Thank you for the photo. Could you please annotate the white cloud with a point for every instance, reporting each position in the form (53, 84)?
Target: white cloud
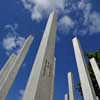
(50, 3)
(39, 8)
(91, 18)
(88, 19)
(65, 24)
(11, 28)
(9, 43)
(94, 21)
(36, 14)
(20, 41)
(81, 4)
(85, 7)
(12, 42)
(87, 12)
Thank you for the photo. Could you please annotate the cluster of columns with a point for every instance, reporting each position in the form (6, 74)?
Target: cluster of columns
(86, 83)
(9, 72)
(41, 81)
(40, 85)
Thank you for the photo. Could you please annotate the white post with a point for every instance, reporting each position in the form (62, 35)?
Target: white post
(39, 85)
(96, 70)
(10, 77)
(86, 83)
(66, 97)
(71, 86)
(6, 68)
(97, 98)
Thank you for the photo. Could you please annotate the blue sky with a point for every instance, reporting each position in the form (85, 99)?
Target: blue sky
(20, 18)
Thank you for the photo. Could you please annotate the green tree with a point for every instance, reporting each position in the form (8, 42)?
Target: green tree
(90, 55)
